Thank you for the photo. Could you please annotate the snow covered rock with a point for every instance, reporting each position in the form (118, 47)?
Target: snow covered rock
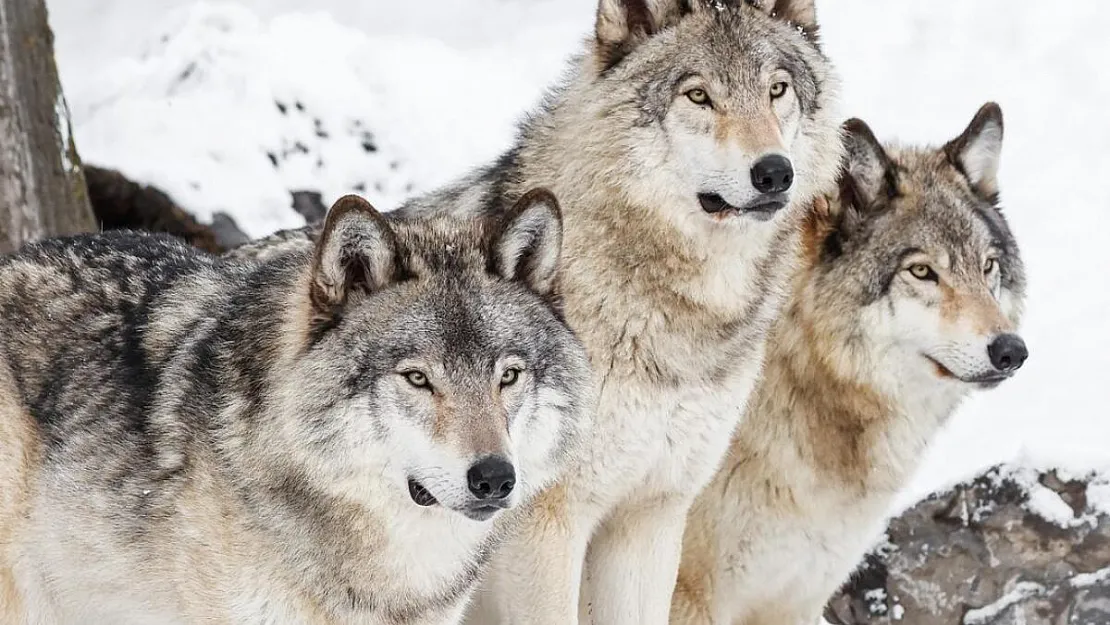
(1014, 546)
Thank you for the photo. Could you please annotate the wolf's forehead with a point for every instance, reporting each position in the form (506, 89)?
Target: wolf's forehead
(462, 319)
(437, 250)
(740, 49)
(943, 222)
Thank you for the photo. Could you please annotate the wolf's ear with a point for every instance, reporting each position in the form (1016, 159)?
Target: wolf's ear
(868, 174)
(528, 247)
(357, 250)
(800, 13)
(624, 24)
(978, 150)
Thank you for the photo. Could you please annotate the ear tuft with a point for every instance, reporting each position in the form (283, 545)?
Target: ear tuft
(868, 174)
(799, 13)
(977, 152)
(356, 250)
(529, 245)
(622, 25)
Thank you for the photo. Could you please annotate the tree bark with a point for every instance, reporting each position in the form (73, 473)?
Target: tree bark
(42, 187)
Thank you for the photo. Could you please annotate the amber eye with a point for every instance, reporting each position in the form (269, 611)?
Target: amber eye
(921, 271)
(417, 379)
(509, 377)
(698, 96)
(778, 89)
(989, 266)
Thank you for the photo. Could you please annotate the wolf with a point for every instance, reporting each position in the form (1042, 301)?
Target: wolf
(682, 144)
(339, 434)
(908, 299)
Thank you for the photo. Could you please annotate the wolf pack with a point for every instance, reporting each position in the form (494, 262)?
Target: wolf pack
(668, 359)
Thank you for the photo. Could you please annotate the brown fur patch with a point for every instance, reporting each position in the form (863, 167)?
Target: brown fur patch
(816, 227)
(754, 134)
(444, 414)
(838, 415)
(551, 508)
(980, 311)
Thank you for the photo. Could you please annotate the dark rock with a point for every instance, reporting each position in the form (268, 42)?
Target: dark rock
(310, 205)
(987, 553)
(120, 203)
(227, 233)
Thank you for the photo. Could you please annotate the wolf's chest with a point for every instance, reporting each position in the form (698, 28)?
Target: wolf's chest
(661, 440)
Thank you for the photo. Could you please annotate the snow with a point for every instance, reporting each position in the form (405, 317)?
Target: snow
(185, 95)
(1050, 506)
(1087, 580)
(987, 614)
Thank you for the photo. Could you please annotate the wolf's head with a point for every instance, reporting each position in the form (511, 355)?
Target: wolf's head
(917, 253)
(434, 356)
(731, 103)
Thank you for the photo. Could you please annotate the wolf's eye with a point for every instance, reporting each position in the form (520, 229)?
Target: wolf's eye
(509, 377)
(698, 96)
(778, 89)
(417, 379)
(921, 271)
(989, 266)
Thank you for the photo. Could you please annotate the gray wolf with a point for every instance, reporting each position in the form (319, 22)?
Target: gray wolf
(682, 145)
(908, 299)
(329, 436)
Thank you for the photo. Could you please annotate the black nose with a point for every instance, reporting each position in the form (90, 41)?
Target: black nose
(1007, 352)
(491, 478)
(772, 174)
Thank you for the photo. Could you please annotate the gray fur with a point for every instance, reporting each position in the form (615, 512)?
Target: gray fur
(231, 439)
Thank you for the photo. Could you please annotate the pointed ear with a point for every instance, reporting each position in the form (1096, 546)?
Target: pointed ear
(800, 13)
(624, 24)
(976, 152)
(529, 245)
(356, 250)
(868, 174)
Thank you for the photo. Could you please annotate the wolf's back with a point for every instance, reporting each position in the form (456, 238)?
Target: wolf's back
(76, 311)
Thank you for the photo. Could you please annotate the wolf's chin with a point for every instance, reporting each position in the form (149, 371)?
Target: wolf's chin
(481, 513)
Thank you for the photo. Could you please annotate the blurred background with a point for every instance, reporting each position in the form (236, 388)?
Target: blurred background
(232, 108)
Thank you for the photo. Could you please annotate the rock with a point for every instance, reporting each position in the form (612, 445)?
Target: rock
(227, 233)
(1012, 547)
(310, 205)
(121, 203)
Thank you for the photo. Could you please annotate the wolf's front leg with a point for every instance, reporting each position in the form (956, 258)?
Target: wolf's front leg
(535, 577)
(632, 565)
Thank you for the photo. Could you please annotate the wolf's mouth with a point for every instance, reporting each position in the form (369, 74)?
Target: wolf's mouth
(420, 495)
(984, 381)
(762, 208)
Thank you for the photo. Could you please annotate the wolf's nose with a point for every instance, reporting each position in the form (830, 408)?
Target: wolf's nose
(1007, 352)
(772, 174)
(491, 478)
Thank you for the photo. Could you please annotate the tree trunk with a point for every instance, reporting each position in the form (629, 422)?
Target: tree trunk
(42, 187)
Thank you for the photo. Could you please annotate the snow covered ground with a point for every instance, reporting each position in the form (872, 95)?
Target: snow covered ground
(229, 106)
